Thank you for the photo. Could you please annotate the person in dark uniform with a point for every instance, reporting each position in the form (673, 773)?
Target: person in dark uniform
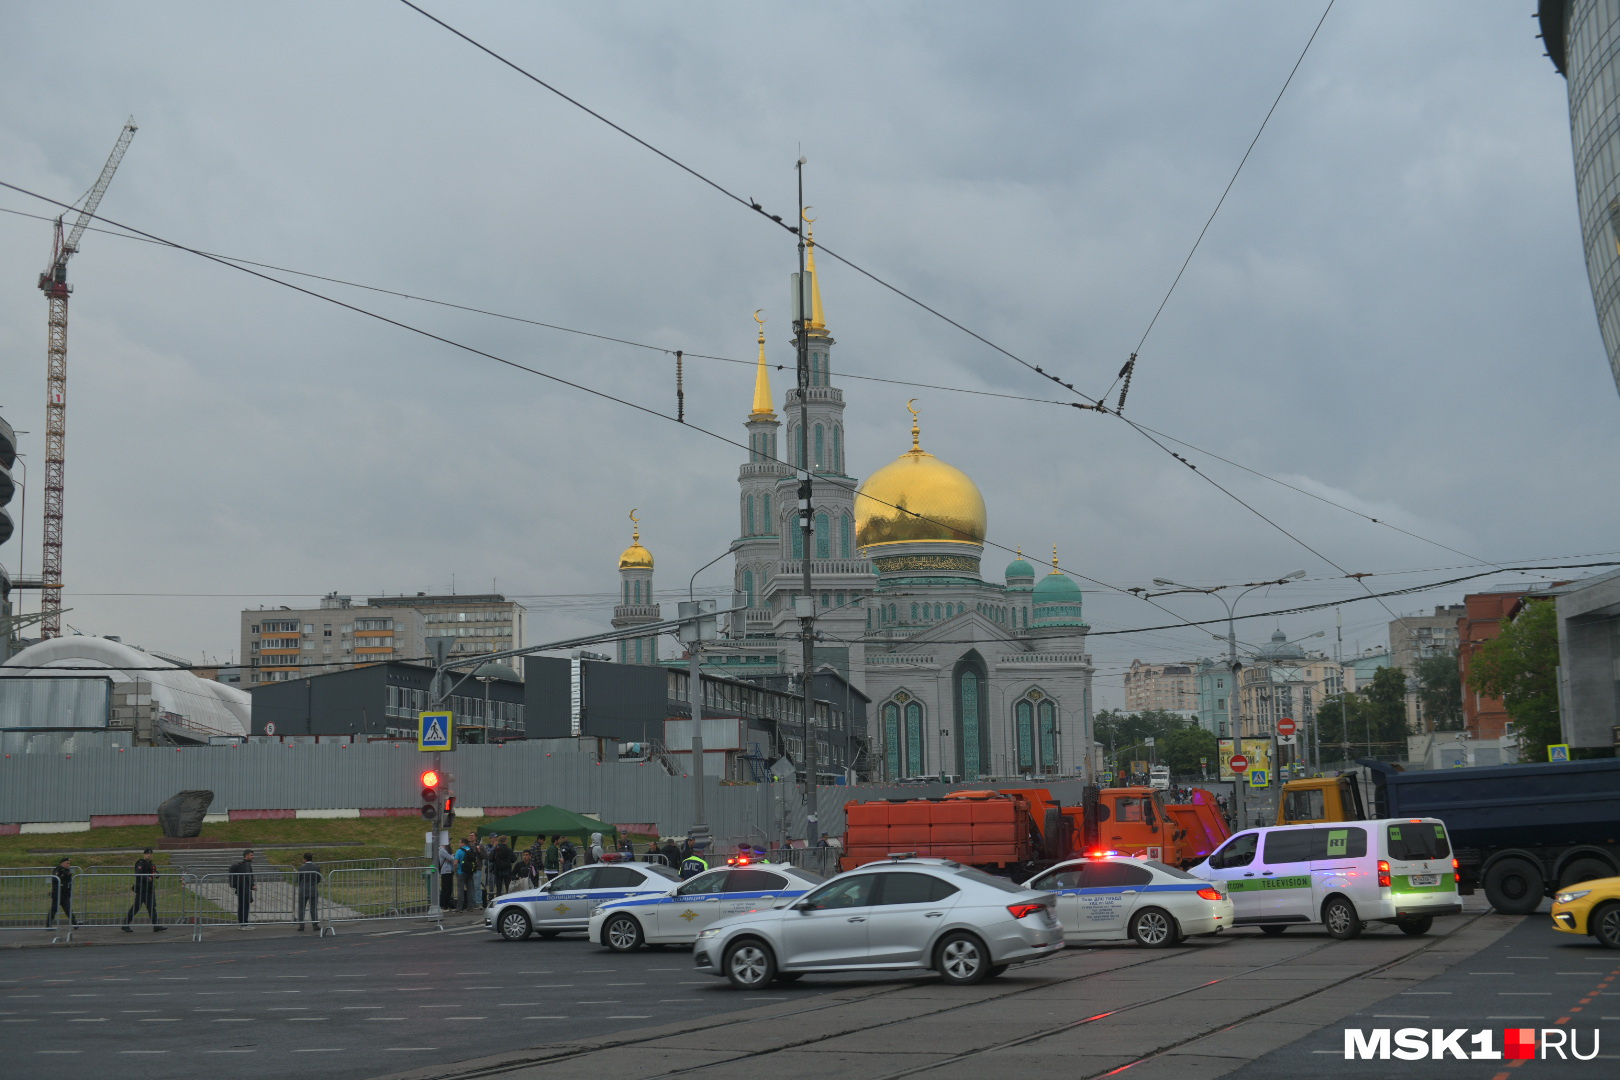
(242, 881)
(62, 893)
(309, 892)
(145, 890)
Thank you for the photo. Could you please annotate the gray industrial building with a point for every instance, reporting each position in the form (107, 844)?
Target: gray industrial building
(1589, 660)
(383, 700)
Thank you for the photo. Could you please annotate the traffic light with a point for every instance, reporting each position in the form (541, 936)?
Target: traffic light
(449, 811)
(430, 794)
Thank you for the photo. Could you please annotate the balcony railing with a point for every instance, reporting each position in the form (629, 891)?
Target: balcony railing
(791, 567)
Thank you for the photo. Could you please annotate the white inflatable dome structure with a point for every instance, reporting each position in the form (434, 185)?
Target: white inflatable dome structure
(185, 707)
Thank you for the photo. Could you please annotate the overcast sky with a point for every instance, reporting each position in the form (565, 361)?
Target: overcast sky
(1391, 310)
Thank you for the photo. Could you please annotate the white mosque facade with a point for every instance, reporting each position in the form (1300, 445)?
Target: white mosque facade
(967, 677)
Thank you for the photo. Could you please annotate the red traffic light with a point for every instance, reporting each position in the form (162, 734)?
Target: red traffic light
(430, 779)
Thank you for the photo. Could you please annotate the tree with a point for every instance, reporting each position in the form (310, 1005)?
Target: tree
(1440, 691)
(1348, 722)
(1182, 748)
(1123, 735)
(1520, 666)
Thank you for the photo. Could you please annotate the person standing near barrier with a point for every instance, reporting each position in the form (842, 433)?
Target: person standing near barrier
(501, 860)
(145, 890)
(671, 854)
(486, 875)
(569, 854)
(242, 881)
(466, 872)
(597, 851)
(62, 893)
(445, 859)
(551, 861)
(309, 892)
(694, 864)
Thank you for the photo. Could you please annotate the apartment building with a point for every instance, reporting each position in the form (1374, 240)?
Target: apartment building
(1170, 687)
(1417, 637)
(479, 623)
(281, 644)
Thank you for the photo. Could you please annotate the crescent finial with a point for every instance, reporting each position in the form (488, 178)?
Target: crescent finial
(635, 528)
(805, 214)
(633, 519)
(910, 409)
(758, 319)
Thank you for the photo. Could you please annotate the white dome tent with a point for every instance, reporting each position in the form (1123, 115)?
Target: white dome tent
(185, 708)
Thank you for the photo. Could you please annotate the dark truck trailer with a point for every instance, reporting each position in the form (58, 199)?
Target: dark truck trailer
(1520, 832)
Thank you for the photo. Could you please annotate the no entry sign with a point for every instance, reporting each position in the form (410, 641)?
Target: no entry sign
(1286, 727)
(1238, 763)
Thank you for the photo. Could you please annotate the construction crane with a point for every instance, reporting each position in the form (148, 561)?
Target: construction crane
(54, 284)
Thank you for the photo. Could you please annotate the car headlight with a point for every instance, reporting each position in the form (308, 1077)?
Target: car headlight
(709, 933)
(1569, 897)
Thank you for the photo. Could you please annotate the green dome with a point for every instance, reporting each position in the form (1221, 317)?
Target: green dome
(1057, 588)
(1019, 568)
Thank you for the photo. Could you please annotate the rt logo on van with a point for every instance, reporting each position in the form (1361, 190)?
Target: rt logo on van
(1436, 1044)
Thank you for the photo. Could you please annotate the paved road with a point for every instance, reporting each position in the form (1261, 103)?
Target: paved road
(1533, 977)
(256, 1005)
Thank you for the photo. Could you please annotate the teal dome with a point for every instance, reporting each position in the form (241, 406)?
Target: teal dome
(1057, 588)
(1019, 569)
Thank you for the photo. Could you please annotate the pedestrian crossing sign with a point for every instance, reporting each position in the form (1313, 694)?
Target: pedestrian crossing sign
(1259, 778)
(435, 731)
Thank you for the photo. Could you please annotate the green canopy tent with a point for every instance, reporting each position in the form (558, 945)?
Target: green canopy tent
(547, 821)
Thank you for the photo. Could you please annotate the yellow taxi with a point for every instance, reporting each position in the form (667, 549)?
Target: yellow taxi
(1590, 907)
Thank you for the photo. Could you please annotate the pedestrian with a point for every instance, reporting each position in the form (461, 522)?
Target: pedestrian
(62, 893)
(145, 890)
(446, 862)
(628, 849)
(502, 861)
(309, 892)
(653, 854)
(686, 848)
(486, 878)
(466, 871)
(671, 854)
(528, 872)
(569, 854)
(694, 864)
(551, 861)
(597, 850)
(242, 881)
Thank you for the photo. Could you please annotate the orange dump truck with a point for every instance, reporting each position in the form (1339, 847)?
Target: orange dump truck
(1019, 829)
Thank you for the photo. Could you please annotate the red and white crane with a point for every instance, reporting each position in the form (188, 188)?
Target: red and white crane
(53, 282)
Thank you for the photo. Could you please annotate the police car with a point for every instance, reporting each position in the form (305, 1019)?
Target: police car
(1117, 898)
(680, 913)
(566, 902)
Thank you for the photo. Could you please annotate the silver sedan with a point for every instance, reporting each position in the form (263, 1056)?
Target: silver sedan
(567, 902)
(900, 915)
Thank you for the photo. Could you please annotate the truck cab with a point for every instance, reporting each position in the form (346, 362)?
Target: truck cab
(1159, 778)
(1322, 798)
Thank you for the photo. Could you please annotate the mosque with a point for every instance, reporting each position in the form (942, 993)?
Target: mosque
(966, 677)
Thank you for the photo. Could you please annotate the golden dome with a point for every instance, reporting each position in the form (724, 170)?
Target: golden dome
(635, 556)
(919, 498)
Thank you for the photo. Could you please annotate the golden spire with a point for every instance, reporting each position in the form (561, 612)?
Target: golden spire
(916, 432)
(635, 556)
(818, 322)
(1054, 559)
(1019, 551)
(762, 379)
(635, 532)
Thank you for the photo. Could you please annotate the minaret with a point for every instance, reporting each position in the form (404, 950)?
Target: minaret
(636, 606)
(758, 503)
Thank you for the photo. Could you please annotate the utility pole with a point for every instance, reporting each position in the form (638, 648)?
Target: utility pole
(693, 634)
(806, 605)
(1233, 714)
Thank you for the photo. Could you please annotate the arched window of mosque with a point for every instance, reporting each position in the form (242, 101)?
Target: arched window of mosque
(638, 650)
(915, 763)
(1047, 711)
(913, 612)
(838, 448)
(820, 459)
(838, 600)
(765, 518)
(626, 592)
(891, 739)
(970, 726)
(937, 614)
(823, 537)
(1024, 725)
(748, 519)
(843, 537)
(748, 586)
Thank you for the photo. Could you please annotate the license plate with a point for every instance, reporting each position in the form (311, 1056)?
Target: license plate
(1420, 880)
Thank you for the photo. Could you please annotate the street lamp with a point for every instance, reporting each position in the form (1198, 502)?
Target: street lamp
(1232, 715)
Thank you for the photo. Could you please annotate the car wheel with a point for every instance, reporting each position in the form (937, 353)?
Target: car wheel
(1604, 924)
(749, 965)
(622, 934)
(514, 924)
(785, 977)
(1514, 887)
(1583, 870)
(1154, 928)
(1340, 918)
(1416, 927)
(962, 960)
(1272, 931)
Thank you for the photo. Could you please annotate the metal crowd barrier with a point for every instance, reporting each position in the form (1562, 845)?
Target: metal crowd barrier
(25, 903)
(109, 898)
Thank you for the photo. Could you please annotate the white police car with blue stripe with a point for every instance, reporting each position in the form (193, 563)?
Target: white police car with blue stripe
(1117, 898)
(566, 902)
(676, 916)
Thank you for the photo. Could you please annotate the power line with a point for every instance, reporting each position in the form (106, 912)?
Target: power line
(1130, 366)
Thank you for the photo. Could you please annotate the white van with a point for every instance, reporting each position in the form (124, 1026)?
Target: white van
(1342, 875)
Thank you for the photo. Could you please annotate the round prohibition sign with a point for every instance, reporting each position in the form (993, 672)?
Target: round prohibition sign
(1238, 763)
(1286, 727)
